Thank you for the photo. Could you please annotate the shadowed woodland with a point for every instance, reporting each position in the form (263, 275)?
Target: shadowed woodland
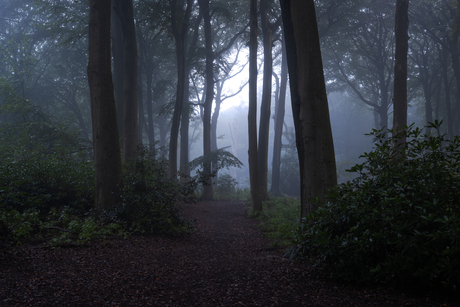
(265, 152)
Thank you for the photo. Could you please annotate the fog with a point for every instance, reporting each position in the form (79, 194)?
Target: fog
(43, 49)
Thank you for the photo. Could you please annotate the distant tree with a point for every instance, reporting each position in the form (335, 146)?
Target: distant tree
(310, 109)
(400, 74)
(280, 105)
(105, 131)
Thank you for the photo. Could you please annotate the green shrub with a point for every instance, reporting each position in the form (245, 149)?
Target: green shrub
(44, 166)
(150, 197)
(279, 219)
(225, 187)
(398, 222)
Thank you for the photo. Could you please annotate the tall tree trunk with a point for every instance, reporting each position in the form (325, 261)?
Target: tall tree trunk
(445, 77)
(140, 96)
(149, 103)
(215, 115)
(184, 141)
(207, 106)
(310, 109)
(265, 106)
(130, 113)
(118, 62)
(180, 31)
(252, 111)
(400, 74)
(106, 145)
(279, 120)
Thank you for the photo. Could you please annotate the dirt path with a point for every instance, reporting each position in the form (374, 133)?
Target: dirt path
(225, 263)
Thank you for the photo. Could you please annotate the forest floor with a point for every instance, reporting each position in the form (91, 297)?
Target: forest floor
(226, 262)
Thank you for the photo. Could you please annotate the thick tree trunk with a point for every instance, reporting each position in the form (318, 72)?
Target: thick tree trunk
(207, 106)
(400, 74)
(118, 63)
(309, 103)
(265, 107)
(252, 111)
(106, 145)
(279, 120)
(130, 113)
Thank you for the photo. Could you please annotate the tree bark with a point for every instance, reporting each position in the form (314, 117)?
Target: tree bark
(265, 106)
(400, 74)
(130, 113)
(106, 145)
(279, 120)
(207, 106)
(118, 63)
(180, 31)
(309, 103)
(252, 111)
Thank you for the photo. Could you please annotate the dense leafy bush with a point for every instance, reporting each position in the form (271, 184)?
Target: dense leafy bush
(43, 166)
(399, 221)
(225, 187)
(150, 197)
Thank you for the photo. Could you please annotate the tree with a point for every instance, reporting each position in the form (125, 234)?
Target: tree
(252, 111)
(309, 103)
(207, 188)
(125, 12)
(361, 57)
(104, 119)
(180, 28)
(400, 74)
(279, 120)
(268, 29)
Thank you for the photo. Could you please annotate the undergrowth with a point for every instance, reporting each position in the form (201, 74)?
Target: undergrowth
(398, 222)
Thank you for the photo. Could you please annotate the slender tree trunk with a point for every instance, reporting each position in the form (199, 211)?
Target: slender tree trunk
(149, 102)
(310, 109)
(445, 78)
(118, 63)
(252, 111)
(184, 142)
(106, 145)
(264, 126)
(207, 106)
(400, 74)
(279, 120)
(180, 31)
(141, 70)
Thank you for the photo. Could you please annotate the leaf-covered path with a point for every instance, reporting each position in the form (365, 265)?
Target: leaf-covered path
(225, 263)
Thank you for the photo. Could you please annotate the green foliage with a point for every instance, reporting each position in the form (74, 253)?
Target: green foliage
(150, 197)
(398, 222)
(280, 218)
(225, 188)
(220, 159)
(44, 166)
(60, 226)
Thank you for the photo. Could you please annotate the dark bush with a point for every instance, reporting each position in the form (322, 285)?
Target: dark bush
(43, 166)
(150, 197)
(398, 222)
